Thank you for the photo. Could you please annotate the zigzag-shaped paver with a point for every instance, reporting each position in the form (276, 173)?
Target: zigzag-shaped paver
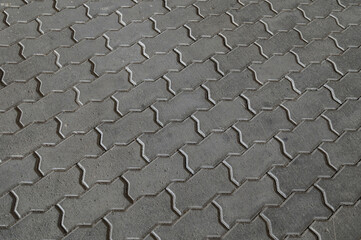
(180, 119)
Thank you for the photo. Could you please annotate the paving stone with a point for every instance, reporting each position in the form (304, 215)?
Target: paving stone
(142, 96)
(142, 10)
(302, 172)
(285, 21)
(179, 3)
(281, 43)
(142, 216)
(346, 117)
(295, 142)
(29, 11)
(263, 126)
(65, 78)
(103, 86)
(131, 33)
(222, 116)
(156, 176)
(127, 55)
(20, 144)
(347, 61)
(349, 141)
(245, 34)
(63, 19)
(318, 9)
(342, 188)
(180, 119)
(348, 87)
(194, 194)
(238, 58)
(214, 7)
(199, 224)
(35, 226)
(231, 85)
(349, 16)
(248, 200)
(296, 213)
(257, 229)
(313, 76)
(201, 50)
(210, 26)
(175, 134)
(254, 162)
(47, 107)
(73, 148)
(93, 204)
(6, 217)
(350, 37)
(319, 28)
(275, 67)
(106, 7)
(82, 51)
(18, 92)
(279, 5)
(310, 105)
(96, 26)
(307, 235)
(28, 68)
(270, 95)
(87, 116)
(162, 64)
(8, 121)
(19, 31)
(192, 76)
(41, 194)
(98, 232)
(176, 18)
(181, 106)
(47, 42)
(68, 4)
(8, 170)
(251, 12)
(10, 54)
(343, 224)
(128, 127)
(212, 150)
(112, 163)
(166, 41)
(308, 53)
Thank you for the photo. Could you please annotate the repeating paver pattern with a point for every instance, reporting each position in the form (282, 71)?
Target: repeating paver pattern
(180, 119)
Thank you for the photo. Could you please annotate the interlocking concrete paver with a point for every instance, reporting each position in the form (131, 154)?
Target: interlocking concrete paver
(313, 76)
(212, 150)
(73, 148)
(180, 119)
(192, 76)
(41, 195)
(302, 172)
(296, 213)
(344, 224)
(142, 216)
(349, 141)
(142, 96)
(342, 187)
(112, 163)
(245, 203)
(156, 175)
(257, 160)
(194, 194)
(281, 43)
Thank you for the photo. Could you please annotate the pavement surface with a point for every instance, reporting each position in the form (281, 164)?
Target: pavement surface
(180, 119)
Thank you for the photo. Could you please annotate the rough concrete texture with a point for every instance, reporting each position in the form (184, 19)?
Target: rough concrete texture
(180, 119)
